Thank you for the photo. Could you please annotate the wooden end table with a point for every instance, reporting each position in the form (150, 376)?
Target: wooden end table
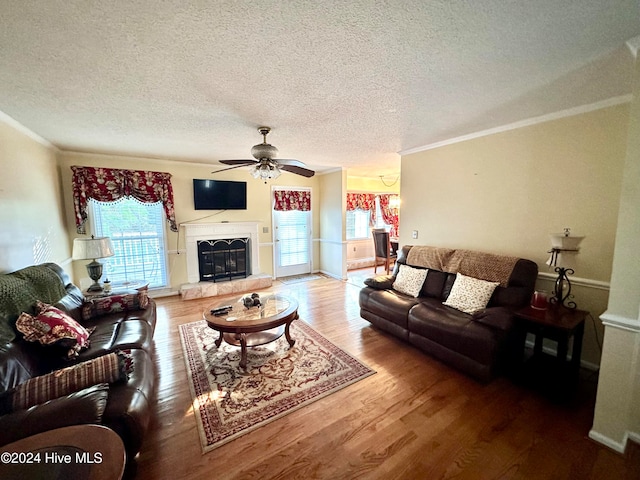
(250, 327)
(556, 323)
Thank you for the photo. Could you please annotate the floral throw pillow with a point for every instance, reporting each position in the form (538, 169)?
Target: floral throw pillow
(135, 300)
(52, 326)
(410, 280)
(469, 294)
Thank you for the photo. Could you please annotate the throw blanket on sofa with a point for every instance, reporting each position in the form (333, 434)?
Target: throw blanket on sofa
(486, 266)
(19, 292)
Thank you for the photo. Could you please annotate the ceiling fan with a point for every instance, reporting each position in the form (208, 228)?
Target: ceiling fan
(265, 165)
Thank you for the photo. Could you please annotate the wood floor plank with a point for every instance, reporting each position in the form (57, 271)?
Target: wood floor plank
(415, 418)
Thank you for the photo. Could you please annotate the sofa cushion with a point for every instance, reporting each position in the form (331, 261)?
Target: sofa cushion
(389, 304)
(455, 330)
(83, 407)
(105, 369)
(434, 284)
(409, 280)
(470, 294)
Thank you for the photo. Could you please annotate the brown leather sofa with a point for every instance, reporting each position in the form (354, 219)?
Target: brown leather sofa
(128, 403)
(482, 344)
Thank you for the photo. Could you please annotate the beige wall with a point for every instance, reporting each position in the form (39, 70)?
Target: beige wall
(259, 202)
(31, 214)
(505, 193)
(373, 185)
(333, 246)
(617, 412)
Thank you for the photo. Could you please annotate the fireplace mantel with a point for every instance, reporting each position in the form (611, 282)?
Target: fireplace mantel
(195, 232)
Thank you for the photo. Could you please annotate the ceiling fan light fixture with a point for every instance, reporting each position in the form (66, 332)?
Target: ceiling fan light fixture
(265, 166)
(265, 171)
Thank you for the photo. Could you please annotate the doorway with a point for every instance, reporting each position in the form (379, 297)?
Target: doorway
(292, 241)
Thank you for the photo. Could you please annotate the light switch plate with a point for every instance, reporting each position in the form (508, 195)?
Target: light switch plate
(414, 234)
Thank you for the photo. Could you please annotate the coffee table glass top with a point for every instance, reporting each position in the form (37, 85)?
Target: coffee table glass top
(271, 305)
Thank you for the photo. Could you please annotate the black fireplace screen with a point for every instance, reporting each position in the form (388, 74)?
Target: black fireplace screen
(224, 259)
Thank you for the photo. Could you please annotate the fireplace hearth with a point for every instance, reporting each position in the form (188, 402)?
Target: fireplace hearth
(224, 259)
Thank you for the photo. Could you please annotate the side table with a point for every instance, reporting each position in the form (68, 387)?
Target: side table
(556, 323)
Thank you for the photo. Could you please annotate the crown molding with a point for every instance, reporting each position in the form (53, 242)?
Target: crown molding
(610, 102)
(12, 122)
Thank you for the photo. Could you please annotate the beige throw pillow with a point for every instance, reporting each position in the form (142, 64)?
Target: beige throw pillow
(410, 280)
(469, 294)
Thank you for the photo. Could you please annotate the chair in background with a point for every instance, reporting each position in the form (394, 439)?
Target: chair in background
(382, 249)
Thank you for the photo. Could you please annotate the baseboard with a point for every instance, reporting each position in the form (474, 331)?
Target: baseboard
(332, 275)
(619, 447)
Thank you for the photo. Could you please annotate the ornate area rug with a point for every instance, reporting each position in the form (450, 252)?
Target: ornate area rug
(229, 402)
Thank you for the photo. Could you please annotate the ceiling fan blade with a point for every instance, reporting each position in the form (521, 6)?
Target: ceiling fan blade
(230, 168)
(305, 172)
(290, 161)
(238, 162)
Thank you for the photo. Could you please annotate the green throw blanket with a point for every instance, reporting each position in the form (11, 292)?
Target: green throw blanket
(19, 291)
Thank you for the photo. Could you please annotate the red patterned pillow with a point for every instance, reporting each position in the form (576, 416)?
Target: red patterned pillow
(96, 306)
(51, 326)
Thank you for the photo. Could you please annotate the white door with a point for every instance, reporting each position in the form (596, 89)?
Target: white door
(292, 240)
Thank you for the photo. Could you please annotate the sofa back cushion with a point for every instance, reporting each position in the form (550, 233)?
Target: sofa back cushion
(516, 292)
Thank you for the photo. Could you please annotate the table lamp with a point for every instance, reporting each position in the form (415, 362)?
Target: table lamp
(92, 248)
(563, 251)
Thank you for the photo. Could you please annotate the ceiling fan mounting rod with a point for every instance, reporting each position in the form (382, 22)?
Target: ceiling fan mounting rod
(264, 131)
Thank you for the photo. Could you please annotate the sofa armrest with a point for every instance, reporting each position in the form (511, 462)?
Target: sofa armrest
(496, 317)
(82, 407)
(383, 282)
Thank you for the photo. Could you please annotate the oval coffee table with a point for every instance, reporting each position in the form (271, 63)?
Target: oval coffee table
(249, 327)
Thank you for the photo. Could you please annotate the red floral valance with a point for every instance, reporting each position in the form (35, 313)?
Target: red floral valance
(111, 184)
(361, 201)
(292, 200)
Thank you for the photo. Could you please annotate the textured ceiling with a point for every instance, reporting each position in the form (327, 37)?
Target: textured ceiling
(342, 84)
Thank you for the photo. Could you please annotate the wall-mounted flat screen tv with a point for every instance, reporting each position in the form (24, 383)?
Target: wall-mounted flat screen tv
(219, 195)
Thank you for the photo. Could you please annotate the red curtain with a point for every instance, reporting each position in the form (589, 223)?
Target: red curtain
(363, 201)
(111, 184)
(389, 215)
(292, 200)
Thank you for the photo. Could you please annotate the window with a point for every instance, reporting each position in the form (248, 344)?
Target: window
(358, 226)
(137, 233)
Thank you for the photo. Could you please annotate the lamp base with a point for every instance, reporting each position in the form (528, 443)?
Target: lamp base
(96, 287)
(94, 269)
(562, 292)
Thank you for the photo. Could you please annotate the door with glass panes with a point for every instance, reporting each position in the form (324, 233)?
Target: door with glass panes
(292, 242)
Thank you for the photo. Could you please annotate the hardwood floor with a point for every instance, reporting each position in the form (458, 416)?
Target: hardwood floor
(415, 418)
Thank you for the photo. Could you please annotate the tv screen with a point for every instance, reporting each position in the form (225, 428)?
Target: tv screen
(219, 195)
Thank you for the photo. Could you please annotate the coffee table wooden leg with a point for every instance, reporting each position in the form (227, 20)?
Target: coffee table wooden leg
(291, 341)
(218, 342)
(243, 351)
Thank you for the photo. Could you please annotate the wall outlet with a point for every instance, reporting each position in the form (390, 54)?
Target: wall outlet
(414, 234)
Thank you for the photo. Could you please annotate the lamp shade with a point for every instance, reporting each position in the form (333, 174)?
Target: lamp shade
(91, 248)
